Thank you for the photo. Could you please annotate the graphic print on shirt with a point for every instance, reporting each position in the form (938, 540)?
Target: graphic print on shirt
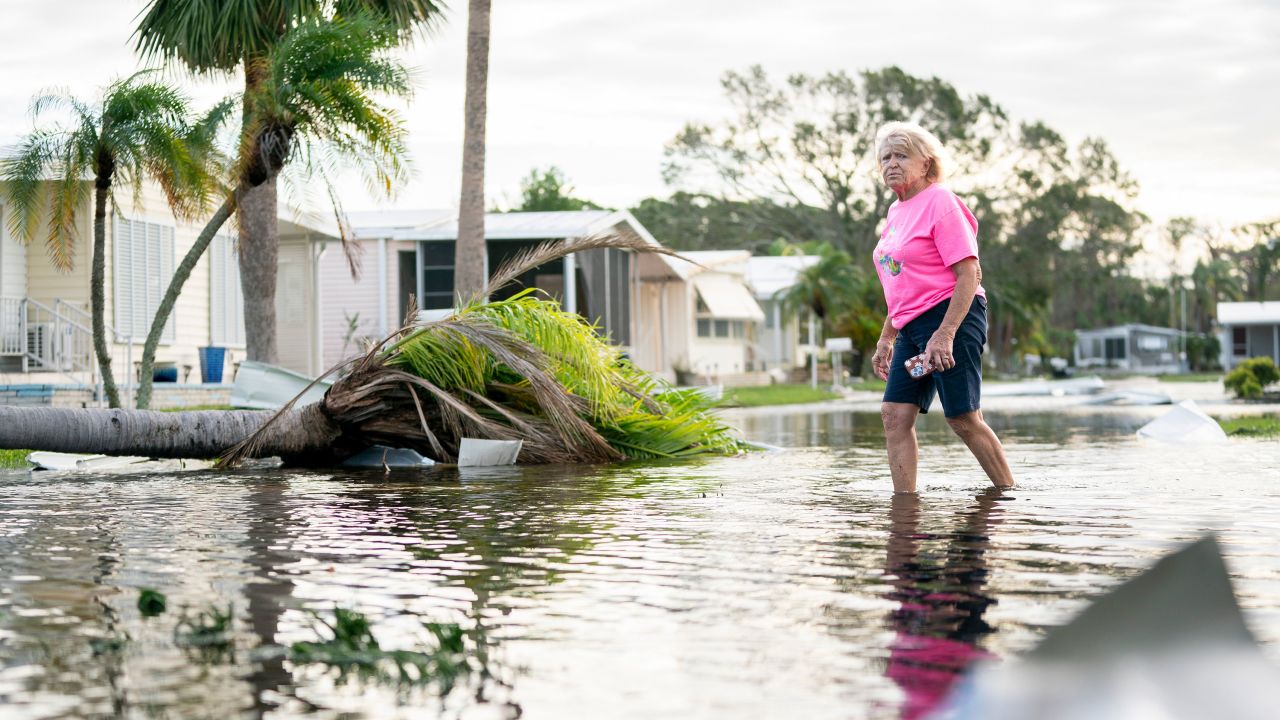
(893, 267)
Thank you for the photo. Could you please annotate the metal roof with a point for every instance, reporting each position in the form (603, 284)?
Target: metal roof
(708, 259)
(770, 274)
(1125, 329)
(1249, 313)
(443, 224)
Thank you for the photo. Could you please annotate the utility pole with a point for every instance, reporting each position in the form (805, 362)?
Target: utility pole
(1185, 361)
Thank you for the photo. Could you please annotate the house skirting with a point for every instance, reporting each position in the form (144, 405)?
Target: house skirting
(164, 395)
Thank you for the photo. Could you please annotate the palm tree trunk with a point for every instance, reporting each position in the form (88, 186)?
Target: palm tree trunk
(259, 255)
(98, 293)
(259, 242)
(469, 254)
(170, 299)
(305, 435)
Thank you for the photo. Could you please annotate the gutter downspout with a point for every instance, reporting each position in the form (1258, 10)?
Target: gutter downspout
(570, 284)
(383, 330)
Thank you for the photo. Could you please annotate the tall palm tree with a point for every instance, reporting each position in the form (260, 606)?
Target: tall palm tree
(214, 36)
(138, 130)
(520, 368)
(314, 106)
(469, 253)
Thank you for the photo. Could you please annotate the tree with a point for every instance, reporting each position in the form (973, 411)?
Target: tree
(549, 190)
(139, 130)
(520, 368)
(313, 105)
(809, 143)
(694, 221)
(1259, 259)
(470, 248)
(219, 37)
(843, 297)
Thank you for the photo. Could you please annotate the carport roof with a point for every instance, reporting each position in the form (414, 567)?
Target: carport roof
(1249, 313)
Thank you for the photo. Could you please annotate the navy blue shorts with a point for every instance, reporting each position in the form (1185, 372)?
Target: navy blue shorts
(961, 386)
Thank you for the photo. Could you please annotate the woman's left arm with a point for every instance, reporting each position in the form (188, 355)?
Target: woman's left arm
(938, 351)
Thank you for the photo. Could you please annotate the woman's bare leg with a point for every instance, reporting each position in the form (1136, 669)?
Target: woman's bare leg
(900, 439)
(984, 445)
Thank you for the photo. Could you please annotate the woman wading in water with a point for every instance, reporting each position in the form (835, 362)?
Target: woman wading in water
(927, 260)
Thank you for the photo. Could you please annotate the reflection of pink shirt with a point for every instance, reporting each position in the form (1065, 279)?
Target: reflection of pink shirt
(923, 237)
(926, 668)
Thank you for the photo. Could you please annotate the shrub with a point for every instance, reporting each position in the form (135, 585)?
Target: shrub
(1251, 376)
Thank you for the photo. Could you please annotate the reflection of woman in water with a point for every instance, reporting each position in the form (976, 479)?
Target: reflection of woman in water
(939, 620)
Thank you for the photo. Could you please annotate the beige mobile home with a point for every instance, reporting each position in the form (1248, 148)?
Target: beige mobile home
(45, 325)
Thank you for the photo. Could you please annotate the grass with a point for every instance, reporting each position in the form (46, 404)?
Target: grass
(1191, 377)
(760, 395)
(354, 651)
(10, 459)
(1259, 426)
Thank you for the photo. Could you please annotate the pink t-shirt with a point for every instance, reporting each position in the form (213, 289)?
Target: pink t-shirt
(922, 239)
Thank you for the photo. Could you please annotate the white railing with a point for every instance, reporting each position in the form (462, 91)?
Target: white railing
(12, 321)
(55, 340)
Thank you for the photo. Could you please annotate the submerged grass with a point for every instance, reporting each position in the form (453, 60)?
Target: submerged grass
(761, 395)
(10, 459)
(1262, 426)
(352, 648)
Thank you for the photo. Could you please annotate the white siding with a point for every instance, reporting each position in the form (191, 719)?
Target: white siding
(13, 261)
(345, 301)
(226, 297)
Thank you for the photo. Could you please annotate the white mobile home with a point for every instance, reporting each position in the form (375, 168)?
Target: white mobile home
(1248, 329)
(1133, 347)
(411, 253)
(783, 336)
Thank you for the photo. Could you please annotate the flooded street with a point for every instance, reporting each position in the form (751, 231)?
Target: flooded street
(789, 584)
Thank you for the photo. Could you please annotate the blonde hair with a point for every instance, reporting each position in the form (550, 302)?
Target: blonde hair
(919, 142)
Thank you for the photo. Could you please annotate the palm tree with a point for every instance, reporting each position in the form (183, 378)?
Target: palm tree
(842, 297)
(469, 254)
(138, 130)
(313, 106)
(517, 368)
(219, 37)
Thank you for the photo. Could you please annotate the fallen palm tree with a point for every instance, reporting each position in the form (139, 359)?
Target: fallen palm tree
(520, 368)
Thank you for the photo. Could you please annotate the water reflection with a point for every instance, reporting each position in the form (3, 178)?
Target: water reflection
(939, 581)
(771, 585)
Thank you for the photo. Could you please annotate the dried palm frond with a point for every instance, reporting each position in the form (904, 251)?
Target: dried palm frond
(551, 250)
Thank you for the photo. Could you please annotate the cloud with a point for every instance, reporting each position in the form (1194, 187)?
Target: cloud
(1180, 89)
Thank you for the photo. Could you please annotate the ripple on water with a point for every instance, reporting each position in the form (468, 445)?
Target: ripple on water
(786, 584)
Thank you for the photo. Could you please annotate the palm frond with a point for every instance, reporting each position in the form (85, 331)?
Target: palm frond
(520, 368)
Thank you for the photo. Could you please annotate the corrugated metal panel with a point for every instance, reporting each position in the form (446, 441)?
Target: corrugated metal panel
(349, 308)
(437, 225)
(1248, 313)
(293, 298)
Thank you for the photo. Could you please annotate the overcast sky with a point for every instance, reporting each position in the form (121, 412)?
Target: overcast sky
(1184, 91)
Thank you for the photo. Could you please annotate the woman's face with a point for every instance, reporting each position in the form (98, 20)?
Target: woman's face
(901, 168)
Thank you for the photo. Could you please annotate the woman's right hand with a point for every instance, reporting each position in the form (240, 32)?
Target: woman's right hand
(880, 361)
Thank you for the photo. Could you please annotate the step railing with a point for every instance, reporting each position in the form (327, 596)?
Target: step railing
(12, 324)
(55, 337)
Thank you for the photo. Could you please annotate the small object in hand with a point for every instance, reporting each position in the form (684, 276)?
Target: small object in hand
(917, 367)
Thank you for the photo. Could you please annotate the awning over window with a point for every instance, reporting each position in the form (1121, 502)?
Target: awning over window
(727, 297)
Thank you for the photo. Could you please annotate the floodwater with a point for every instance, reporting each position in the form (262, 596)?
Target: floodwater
(787, 584)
